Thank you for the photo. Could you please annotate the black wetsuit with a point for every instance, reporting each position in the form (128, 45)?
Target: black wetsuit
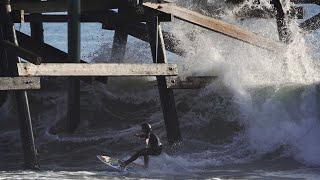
(154, 148)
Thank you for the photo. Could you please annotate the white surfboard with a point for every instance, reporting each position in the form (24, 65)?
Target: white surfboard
(114, 163)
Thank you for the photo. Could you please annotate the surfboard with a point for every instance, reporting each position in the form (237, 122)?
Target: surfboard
(114, 163)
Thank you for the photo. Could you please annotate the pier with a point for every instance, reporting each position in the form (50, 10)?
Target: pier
(25, 59)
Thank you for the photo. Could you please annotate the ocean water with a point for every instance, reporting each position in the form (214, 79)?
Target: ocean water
(258, 120)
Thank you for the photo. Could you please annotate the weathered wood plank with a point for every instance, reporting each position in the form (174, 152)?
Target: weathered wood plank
(192, 82)
(19, 83)
(49, 53)
(218, 26)
(99, 69)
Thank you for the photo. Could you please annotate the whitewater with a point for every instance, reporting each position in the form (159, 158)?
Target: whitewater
(258, 120)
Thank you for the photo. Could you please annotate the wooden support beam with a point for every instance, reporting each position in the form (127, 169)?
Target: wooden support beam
(119, 45)
(86, 17)
(40, 7)
(311, 24)
(50, 53)
(98, 69)
(101, 16)
(119, 41)
(218, 26)
(62, 6)
(74, 52)
(194, 82)
(18, 16)
(282, 22)
(135, 12)
(36, 28)
(47, 18)
(140, 31)
(26, 130)
(21, 52)
(166, 95)
(19, 83)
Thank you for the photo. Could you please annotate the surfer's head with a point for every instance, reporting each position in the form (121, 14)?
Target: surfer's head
(146, 128)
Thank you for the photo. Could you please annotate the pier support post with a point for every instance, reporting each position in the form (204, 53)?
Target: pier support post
(166, 95)
(36, 27)
(74, 14)
(120, 39)
(282, 22)
(26, 132)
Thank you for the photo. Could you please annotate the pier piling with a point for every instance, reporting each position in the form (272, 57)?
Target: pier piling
(36, 27)
(166, 95)
(282, 22)
(74, 14)
(119, 41)
(26, 131)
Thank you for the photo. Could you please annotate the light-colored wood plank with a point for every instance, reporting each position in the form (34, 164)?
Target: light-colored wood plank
(218, 26)
(98, 69)
(19, 83)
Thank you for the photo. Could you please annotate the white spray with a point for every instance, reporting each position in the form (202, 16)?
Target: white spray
(276, 95)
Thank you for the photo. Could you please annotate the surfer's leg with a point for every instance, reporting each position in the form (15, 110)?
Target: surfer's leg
(135, 156)
(146, 160)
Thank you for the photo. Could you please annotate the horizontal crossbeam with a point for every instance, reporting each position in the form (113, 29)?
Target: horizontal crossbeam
(61, 5)
(98, 69)
(19, 83)
(91, 10)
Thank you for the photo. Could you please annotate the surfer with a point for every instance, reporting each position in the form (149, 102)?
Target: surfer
(153, 146)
